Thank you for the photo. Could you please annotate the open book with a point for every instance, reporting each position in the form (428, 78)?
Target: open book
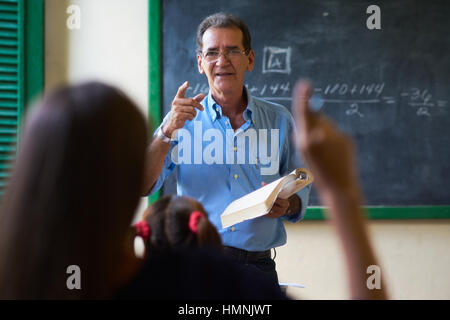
(260, 201)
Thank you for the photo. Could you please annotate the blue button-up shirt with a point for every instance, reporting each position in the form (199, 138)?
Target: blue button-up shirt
(217, 165)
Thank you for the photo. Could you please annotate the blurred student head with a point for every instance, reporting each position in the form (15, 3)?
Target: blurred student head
(72, 194)
(175, 222)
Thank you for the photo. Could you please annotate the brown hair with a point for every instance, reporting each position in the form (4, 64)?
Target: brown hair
(73, 192)
(168, 219)
(223, 20)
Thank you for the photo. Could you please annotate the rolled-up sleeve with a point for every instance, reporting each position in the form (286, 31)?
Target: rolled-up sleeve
(167, 169)
(168, 166)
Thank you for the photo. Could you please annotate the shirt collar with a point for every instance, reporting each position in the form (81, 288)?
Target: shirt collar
(216, 111)
(250, 111)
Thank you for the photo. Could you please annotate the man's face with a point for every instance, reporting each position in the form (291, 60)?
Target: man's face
(226, 75)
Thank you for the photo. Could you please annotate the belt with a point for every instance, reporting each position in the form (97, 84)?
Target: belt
(244, 255)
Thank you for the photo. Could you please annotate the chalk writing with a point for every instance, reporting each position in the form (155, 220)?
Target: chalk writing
(277, 60)
(422, 100)
(350, 95)
(198, 88)
(422, 111)
(354, 110)
(352, 89)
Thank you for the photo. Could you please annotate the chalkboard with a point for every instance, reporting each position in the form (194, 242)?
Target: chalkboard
(388, 88)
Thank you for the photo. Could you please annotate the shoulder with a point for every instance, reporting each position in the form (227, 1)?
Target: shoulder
(272, 110)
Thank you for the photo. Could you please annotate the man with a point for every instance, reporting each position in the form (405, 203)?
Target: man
(205, 138)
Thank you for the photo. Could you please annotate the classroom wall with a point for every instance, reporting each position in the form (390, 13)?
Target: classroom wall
(112, 46)
(413, 256)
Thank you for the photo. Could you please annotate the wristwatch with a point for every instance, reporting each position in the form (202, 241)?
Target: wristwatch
(289, 211)
(160, 135)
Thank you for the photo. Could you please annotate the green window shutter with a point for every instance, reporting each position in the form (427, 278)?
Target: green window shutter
(21, 71)
(11, 104)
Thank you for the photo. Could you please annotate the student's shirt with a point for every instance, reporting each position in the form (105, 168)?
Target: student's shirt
(198, 274)
(216, 165)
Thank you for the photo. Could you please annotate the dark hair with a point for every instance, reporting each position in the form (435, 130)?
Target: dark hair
(223, 20)
(73, 192)
(168, 219)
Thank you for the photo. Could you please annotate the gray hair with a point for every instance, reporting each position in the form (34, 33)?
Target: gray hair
(223, 20)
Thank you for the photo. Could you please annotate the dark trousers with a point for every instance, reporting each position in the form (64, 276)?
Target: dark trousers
(260, 260)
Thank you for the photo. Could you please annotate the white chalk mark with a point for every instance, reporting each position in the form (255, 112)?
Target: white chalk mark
(327, 100)
(277, 60)
(420, 104)
(276, 98)
(423, 112)
(354, 110)
(352, 101)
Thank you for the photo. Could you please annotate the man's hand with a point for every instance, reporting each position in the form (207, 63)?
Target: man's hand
(183, 109)
(279, 208)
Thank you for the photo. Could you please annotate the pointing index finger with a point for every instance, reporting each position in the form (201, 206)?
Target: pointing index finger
(182, 90)
(199, 98)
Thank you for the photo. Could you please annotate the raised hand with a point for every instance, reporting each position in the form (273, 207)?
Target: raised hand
(328, 152)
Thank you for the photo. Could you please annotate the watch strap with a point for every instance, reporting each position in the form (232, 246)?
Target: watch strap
(160, 134)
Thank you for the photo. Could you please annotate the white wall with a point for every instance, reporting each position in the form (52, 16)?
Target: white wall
(112, 45)
(414, 257)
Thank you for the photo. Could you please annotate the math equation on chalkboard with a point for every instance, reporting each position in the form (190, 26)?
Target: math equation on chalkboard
(350, 96)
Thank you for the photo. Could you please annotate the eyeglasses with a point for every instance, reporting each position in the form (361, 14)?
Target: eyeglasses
(233, 54)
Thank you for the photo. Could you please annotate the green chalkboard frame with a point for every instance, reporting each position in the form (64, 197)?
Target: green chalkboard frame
(389, 213)
(154, 70)
(313, 213)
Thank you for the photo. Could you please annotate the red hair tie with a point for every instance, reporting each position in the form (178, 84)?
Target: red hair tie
(142, 229)
(193, 220)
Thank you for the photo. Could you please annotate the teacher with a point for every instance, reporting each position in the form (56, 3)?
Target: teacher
(227, 143)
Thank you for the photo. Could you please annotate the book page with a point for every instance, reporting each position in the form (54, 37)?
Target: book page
(260, 201)
(298, 179)
(254, 198)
